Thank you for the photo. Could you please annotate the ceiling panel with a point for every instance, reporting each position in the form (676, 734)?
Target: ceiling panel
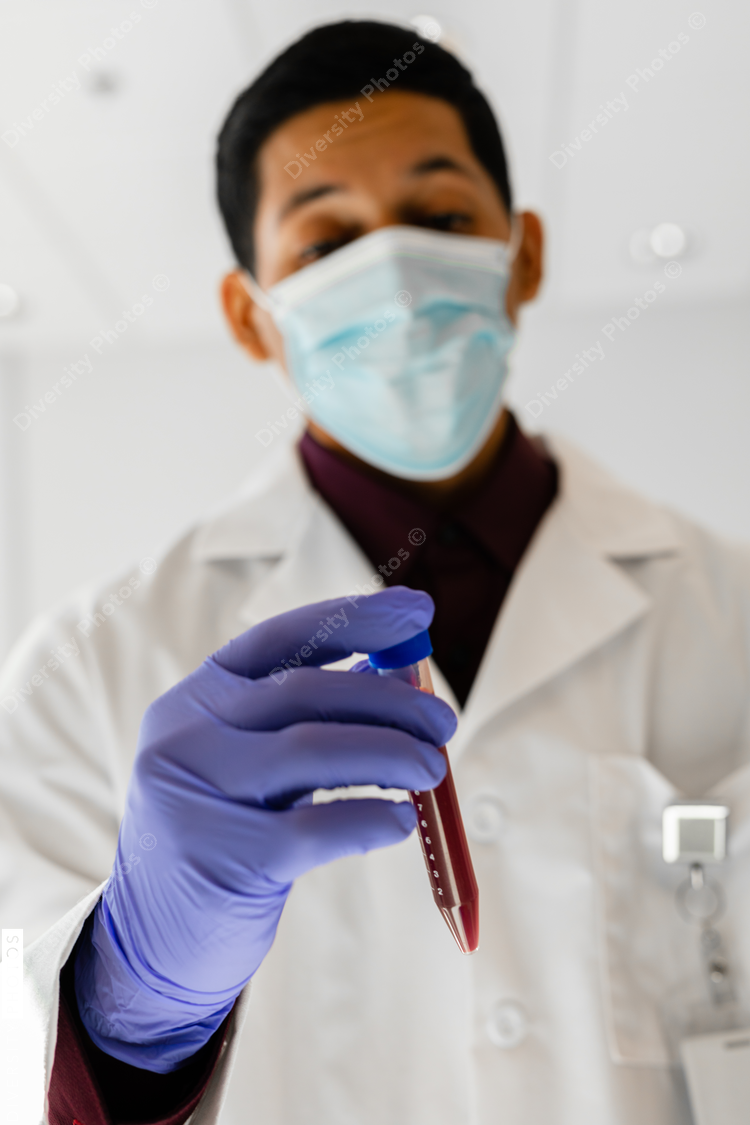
(106, 176)
(671, 148)
(117, 172)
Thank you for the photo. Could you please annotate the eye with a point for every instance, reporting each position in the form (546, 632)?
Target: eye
(457, 221)
(322, 248)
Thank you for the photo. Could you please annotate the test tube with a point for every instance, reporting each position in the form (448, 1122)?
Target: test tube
(441, 829)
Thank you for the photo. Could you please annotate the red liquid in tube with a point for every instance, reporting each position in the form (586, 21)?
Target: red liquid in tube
(443, 838)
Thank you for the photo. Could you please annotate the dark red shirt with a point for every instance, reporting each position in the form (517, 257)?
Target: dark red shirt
(464, 556)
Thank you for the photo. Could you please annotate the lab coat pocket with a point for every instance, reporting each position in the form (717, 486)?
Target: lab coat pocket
(648, 953)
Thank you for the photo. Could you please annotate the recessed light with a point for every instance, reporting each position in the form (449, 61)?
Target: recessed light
(666, 240)
(428, 27)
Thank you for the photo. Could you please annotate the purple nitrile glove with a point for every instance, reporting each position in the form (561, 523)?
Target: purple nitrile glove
(218, 820)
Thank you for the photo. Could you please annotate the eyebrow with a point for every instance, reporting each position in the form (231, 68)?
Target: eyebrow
(439, 164)
(302, 197)
(432, 164)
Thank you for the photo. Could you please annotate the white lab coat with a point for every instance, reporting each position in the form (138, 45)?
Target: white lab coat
(616, 678)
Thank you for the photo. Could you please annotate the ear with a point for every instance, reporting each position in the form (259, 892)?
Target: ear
(528, 268)
(251, 326)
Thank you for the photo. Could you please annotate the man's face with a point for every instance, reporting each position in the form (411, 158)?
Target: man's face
(403, 158)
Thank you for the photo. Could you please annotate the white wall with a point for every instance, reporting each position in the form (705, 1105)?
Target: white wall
(109, 191)
(129, 455)
(667, 408)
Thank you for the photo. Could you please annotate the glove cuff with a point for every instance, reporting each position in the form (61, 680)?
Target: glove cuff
(127, 1018)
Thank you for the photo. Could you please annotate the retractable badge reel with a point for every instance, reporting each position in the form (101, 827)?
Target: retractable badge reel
(715, 1043)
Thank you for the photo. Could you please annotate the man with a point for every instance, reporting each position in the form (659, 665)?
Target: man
(363, 184)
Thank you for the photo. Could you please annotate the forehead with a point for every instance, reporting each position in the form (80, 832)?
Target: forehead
(357, 143)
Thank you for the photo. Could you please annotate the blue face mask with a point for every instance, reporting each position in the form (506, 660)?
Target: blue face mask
(410, 326)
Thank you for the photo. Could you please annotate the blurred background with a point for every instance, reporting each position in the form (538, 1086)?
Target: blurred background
(126, 412)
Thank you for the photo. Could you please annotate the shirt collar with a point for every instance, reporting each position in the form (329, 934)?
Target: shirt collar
(500, 514)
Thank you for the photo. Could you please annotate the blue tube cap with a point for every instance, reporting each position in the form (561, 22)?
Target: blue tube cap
(408, 652)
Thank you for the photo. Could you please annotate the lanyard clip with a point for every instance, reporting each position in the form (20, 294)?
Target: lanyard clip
(694, 832)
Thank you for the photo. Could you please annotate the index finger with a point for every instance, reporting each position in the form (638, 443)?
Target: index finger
(324, 632)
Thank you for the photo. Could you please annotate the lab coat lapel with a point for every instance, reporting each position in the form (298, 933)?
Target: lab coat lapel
(264, 517)
(279, 517)
(321, 561)
(564, 602)
(569, 596)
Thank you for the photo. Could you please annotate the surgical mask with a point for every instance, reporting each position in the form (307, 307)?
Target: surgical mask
(407, 329)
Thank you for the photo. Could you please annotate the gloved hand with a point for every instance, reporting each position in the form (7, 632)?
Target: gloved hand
(217, 825)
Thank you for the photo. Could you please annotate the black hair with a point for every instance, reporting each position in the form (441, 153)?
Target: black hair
(330, 63)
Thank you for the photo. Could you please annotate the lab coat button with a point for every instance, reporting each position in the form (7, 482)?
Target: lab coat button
(485, 818)
(508, 1024)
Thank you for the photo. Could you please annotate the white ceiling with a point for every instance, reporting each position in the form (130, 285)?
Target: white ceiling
(111, 189)
(678, 153)
(107, 190)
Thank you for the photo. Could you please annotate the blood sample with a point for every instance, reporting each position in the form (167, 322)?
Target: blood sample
(441, 829)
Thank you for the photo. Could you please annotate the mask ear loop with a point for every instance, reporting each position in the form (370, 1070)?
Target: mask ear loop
(264, 302)
(259, 295)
